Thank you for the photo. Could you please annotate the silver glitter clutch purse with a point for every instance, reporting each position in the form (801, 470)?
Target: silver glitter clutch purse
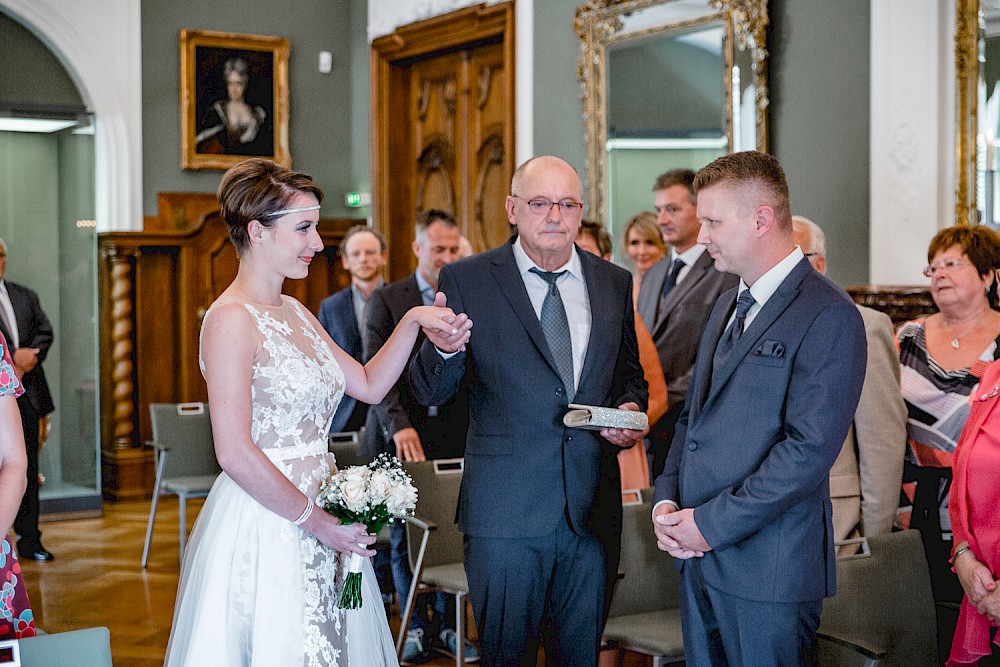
(595, 418)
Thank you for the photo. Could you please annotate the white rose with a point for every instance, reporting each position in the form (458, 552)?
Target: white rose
(354, 494)
(378, 486)
(401, 499)
(356, 474)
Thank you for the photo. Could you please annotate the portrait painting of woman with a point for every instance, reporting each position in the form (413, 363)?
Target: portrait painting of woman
(234, 99)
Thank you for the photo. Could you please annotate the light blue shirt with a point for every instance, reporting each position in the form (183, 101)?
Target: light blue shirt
(427, 291)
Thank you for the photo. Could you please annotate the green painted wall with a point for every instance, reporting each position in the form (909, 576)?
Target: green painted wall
(26, 61)
(320, 107)
(820, 78)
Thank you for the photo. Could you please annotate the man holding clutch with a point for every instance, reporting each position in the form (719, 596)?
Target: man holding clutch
(540, 504)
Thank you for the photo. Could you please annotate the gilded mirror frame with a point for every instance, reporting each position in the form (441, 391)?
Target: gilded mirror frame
(598, 24)
(967, 33)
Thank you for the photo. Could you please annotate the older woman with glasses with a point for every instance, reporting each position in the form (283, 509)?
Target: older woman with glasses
(942, 358)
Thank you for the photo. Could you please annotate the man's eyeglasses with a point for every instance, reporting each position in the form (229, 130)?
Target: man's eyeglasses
(541, 205)
(948, 266)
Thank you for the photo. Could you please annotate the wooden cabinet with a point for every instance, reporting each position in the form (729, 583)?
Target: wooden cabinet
(154, 287)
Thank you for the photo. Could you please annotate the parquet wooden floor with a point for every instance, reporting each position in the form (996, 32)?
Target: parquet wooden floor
(96, 579)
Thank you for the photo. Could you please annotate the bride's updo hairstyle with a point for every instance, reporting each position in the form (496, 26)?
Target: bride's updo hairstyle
(255, 189)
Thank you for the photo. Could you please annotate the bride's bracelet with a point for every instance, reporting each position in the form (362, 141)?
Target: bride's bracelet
(305, 514)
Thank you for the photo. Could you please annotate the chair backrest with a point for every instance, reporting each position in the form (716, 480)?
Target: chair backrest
(650, 581)
(344, 447)
(80, 648)
(438, 484)
(885, 598)
(184, 430)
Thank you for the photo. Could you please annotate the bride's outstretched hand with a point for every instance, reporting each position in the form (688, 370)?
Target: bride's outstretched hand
(446, 330)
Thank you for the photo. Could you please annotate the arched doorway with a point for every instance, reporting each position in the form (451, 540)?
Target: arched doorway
(47, 218)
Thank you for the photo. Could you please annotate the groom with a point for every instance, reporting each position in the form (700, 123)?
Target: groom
(540, 504)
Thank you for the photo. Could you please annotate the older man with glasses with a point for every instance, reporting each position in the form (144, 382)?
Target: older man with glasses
(540, 505)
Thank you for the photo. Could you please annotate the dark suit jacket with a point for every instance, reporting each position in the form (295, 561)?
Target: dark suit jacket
(754, 447)
(678, 325)
(336, 314)
(442, 436)
(523, 468)
(33, 330)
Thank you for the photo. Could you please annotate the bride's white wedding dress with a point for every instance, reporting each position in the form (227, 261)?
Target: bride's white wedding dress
(254, 588)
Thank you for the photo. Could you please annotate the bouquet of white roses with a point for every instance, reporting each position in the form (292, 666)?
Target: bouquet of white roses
(372, 494)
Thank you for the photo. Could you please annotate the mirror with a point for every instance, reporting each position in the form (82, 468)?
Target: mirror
(666, 84)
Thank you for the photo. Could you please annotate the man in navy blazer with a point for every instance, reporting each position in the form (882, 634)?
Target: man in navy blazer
(363, 253)
(675, 298)
(540, 504)
(743, 502)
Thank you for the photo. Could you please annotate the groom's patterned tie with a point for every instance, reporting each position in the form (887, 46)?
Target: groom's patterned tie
(735, 330)
(555, 326)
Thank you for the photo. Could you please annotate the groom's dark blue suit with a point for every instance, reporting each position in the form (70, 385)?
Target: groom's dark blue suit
(526, 475)
(753, 451)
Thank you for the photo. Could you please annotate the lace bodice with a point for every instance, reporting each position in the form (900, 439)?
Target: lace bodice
(297, 383)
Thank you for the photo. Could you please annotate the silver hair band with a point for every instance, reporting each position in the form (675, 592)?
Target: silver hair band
(286, 211)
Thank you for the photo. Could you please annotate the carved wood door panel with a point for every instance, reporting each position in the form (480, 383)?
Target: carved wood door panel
(443, 127)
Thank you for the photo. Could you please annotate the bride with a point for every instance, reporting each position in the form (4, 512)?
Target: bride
(264, 569)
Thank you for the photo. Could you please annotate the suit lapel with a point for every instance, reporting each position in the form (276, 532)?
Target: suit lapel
(601, 301)
(776, 305)
(17, 305)
(714, 329)
(694, 275)
(352, 334)
(650, 289)
(508, 278)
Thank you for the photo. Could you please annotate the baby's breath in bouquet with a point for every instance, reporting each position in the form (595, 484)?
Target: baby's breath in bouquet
(372, 494)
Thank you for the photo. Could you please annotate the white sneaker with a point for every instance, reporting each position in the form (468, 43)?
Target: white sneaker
(413, 648)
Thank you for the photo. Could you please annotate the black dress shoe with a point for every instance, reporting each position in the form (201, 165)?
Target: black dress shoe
(35, 552)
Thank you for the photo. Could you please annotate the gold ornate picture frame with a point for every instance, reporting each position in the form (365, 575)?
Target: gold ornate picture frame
(234, 99)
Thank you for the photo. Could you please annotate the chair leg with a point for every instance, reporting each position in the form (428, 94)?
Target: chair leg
(182, 501)
(152, 508)
(459, 630)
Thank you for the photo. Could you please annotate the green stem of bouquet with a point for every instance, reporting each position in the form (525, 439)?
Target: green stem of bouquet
(350, 598)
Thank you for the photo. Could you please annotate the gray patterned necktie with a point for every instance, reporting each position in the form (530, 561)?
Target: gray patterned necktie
(555, 326)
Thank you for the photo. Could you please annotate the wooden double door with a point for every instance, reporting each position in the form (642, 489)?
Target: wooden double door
(443, 127)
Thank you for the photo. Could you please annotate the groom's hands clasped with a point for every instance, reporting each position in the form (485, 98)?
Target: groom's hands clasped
(450, 332)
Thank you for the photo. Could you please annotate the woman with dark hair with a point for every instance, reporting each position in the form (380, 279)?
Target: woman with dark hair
(942, 358)
(264, 567)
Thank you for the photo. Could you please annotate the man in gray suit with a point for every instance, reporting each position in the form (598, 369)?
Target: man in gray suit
(675, 298)
(743, 502)
(865, 479)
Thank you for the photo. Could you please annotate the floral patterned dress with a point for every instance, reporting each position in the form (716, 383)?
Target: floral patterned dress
(256, 589)
(16, 619)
